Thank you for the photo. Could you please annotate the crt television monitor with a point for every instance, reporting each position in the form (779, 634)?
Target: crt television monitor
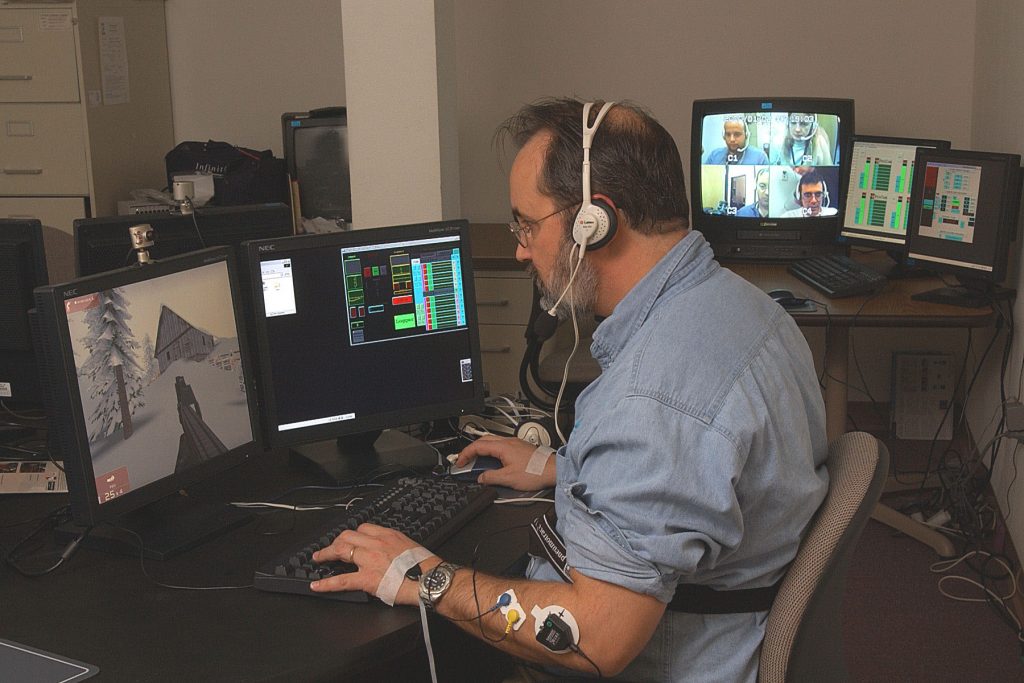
(149, 391)
(103, 244)
(22, 269)
(316, 152)
(966, 206)
(363, 331)
(880, 172)
(767, 175)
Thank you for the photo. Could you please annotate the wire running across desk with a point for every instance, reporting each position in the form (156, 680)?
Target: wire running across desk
(427, 510)
(837, 276)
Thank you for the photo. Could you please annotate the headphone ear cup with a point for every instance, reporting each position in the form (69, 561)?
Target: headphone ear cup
(538, 432)
(595, 225)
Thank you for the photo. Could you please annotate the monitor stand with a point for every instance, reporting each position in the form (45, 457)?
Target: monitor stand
(904, 268)
(969, 294)
(166, 528)
(353, 458)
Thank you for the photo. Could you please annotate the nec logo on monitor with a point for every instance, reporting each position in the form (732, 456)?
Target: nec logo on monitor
(268, 247)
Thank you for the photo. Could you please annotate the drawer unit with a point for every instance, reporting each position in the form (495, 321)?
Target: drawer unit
(38, 60)
(59, 136)
(503, 300)
(42, 150)
(501, 352)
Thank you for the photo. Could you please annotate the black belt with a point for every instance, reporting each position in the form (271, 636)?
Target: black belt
(691, 598)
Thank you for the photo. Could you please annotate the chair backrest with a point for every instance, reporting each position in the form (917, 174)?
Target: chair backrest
(802, 639)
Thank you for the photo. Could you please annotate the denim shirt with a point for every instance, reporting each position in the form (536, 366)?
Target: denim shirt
(697, 457)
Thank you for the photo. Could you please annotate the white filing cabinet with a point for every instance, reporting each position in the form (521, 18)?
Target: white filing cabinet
(82, 121)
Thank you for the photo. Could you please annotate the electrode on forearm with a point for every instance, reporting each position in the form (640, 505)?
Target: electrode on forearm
(387, 589)
(539, 460)
(556, 628)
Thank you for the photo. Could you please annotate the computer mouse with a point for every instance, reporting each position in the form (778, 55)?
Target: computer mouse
(779, 294)
(785, 298)
(471, 470)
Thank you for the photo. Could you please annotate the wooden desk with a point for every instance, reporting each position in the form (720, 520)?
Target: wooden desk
(102, 610)
(891, 307)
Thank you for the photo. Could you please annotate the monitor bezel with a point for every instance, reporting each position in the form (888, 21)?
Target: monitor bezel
(111, 232)
(67, 419)
(22, 362)
(771, 239)
(1008, 212)
(380, 421)
(857, 237)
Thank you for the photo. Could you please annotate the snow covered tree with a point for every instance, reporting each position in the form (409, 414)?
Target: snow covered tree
(112, 367)
(150, 371)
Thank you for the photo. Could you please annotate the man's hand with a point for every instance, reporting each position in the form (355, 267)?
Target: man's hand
(371, 548)
(514, 455)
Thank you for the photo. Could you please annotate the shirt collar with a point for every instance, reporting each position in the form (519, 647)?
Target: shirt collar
(688, 263)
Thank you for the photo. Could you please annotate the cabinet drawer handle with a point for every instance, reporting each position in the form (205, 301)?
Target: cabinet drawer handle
(23, 171)
(499, 302)
(495, 349)
(15, 77)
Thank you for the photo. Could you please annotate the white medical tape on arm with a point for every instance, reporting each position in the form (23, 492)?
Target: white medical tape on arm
(538, 460)
(387, 589)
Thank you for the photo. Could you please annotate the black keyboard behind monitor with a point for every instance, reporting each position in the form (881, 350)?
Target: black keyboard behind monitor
(428, 511)
(837, 276)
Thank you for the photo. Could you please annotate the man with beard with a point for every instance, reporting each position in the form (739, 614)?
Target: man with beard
(696, 459)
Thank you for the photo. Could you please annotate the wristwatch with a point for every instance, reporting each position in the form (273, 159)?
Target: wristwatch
(435, 583)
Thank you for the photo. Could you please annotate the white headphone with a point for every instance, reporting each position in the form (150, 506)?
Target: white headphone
(594, 226)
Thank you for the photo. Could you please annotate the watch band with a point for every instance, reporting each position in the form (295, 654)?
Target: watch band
(435, 583)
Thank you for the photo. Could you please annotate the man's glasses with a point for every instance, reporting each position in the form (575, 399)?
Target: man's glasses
(521, 227)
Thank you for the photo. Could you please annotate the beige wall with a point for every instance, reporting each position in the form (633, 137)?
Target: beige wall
(930, 68)
(237, 66)
(998, 103)
(665, 53)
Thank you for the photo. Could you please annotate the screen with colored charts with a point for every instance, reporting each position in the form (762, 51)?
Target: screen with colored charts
(878, 194)
(949, 203)
(360, 329)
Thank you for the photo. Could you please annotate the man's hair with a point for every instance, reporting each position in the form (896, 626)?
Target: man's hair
(633, 160)
(810, 178)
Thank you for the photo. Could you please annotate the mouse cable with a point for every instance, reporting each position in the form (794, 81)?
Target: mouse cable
(65, 554)
(142, 564)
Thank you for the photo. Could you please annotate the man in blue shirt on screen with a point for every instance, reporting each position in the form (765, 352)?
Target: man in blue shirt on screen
(696, 459)
(759, 207)
(737, 148)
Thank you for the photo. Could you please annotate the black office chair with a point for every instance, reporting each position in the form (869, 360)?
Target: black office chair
(803, 636)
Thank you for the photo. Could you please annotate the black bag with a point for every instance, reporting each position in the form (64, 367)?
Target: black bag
(240, 175)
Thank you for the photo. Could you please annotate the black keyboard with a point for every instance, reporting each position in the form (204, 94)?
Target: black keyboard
(837, 276)
(427, 510)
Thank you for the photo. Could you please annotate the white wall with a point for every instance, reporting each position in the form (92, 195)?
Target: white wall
(998, 103)
(237, 66)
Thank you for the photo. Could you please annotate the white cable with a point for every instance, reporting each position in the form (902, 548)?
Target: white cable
(295, 508)
(426, 641)
(565, 370)
(528, 499)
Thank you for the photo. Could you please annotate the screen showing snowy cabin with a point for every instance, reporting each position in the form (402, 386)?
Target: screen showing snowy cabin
(159, 375)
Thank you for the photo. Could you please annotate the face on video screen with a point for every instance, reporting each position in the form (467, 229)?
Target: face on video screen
(770, 164)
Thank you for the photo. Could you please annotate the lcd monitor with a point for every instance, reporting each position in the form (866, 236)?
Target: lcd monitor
(880, 174)
(103, 244)
(316, 152)
(149, 392)
(22, 268)
(364, 331)
(767, 175)
(966, 206)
